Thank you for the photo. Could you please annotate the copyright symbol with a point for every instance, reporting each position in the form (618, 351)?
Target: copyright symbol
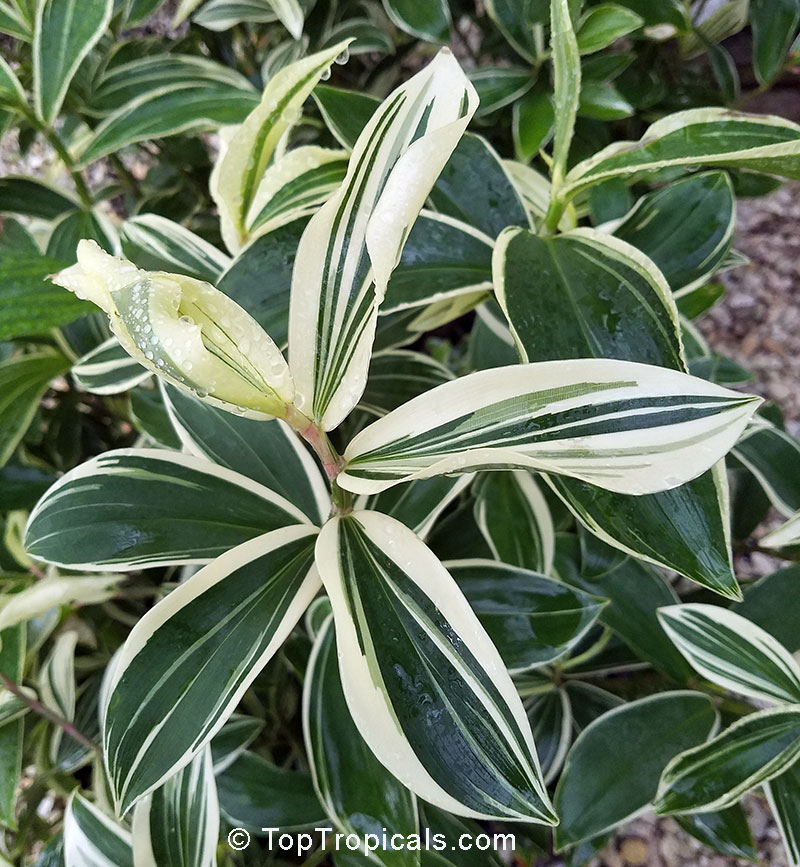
(238, 839)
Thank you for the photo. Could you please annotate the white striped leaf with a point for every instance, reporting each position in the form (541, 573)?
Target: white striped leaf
(240, 168)
(178, 824)
(716, 774)
(270, 453)
(352, 244)
(64, 33)
(186, 331)
(422, 679)
(135, 508)
(551, 722)
(417, 504)
(359, 795)
(190, 659)
(785, 535)
(13, 648)
(108, 369)
(566, 85)
(734, 653)
(424, 19)
(515, 520)
(623, 426)
(697, 137)
(234, 738)
(783, 794)
(92, 839)
(290, 14)
(157, 244)
(397, 375)
(533, 620)
(773, 457)
(294, 186)
(14, 22)
(12, 94)
(57, 684)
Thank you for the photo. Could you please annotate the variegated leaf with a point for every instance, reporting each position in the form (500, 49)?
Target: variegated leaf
(783, 794)
(566, 84)
(422, 679)
(92, 839)
(234, 738)
(697, 137)
(623, 426)
(359, 795)
(773, 457)
(515, 520)
(108, 369)
(190, 659)
(734, 653)
(397, 375)
(716, 774)
(352, 244)
(155, 243)
(551, 721)
(57, 684)
(134, 508)
(785, 535)
(178, 824)
(238, 172)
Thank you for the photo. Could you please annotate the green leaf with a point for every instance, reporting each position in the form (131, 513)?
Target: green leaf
(91, 837)
(12, 665)
(716, 774)
(475, 187)
(13, 23)
(57, 684)
(359, 795)
(686, 228)
(148, 508)
(783, 794)
(551, 721)
(254, 794)
(404, 629)
(397, 375)
(155, 243)
(532, 123)
(424, 19)
(498, 86)
(178, 825)
(784, 536)
(71, 228)
(64, 33)
(714, 23)
(728, 650)
(23, 381)
(533, 620)
(515, 521)
(601, 100)
(601, 25)
(345, 112)
(566, 83)
(352, 244)
(268, 452)
(725, 71)
(694, 301)
(295, 186)
(570, 417)
(124, 82)
(12, 94)
(774, 24)
(516, 20)
(612, 772)
(233, 739)
(614, 303)
(772, 604)
(418, 504)
(29, 303)
(773, 457)
(168, 111)
(33, 198)
(697, 137)
(220, 15)
(726, 831)
(184, 667)
(241, 166)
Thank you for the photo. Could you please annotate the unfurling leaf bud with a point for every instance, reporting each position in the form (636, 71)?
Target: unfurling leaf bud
(187, 332)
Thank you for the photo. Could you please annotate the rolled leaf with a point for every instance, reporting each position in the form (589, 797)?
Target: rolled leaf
(238, 172)
(783, 794)
(64, 33)
(734, 653)
(190, 659)
(697, 137)
(108, 369)
(716, 774)
(785, 535)
(178, 825)
(135, 508)
(422, 679)
(352, 244)
(623, 426)
(92, 838)
(566, 84)
(359, 795)
(187, 332)
(551, 721)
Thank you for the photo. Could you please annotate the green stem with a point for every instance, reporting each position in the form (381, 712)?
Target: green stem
(45, 712)
(553, 217)
(589, 653)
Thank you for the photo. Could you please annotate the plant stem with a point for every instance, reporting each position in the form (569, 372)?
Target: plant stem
(38, 708)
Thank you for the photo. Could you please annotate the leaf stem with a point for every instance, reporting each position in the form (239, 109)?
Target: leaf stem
(45, 712)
